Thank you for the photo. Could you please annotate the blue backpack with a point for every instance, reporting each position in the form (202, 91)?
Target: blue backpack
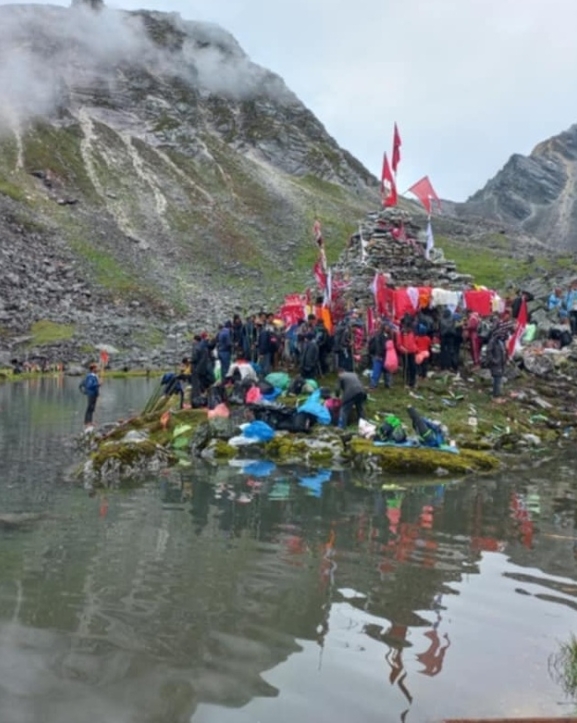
(90, 385)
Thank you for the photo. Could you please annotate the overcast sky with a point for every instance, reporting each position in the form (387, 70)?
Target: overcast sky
(469, 81)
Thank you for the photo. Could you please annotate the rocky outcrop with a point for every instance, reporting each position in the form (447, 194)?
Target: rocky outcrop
(161, 173)
(535, 193)
(143, 445)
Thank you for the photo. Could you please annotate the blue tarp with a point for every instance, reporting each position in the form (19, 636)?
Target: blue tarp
(314, 406)
(259, 430)
(273, 395)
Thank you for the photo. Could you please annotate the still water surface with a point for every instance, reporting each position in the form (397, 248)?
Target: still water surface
(245, 594)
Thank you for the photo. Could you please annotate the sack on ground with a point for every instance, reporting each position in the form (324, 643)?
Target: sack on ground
(366, 429)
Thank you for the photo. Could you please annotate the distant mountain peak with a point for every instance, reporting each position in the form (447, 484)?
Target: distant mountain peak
(537, 193)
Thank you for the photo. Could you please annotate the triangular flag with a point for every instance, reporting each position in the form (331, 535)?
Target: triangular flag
(426, 194)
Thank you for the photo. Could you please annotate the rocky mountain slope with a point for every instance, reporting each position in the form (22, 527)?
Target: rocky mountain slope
(150, 173)
(536, 194)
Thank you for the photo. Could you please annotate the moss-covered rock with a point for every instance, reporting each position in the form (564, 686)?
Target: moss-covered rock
(114, 463)
(418, 460)
(324, 447)
(219, 450)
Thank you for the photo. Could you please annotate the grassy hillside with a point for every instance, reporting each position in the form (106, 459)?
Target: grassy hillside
(153, 223)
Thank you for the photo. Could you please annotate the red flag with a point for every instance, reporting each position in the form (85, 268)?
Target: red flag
(426, 194)
(397, 143)
(370, 321)
(388, 185)
(379, 289)
(519, 329)
(104, 358)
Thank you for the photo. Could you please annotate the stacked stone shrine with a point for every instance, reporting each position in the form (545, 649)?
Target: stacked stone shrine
(389, 242)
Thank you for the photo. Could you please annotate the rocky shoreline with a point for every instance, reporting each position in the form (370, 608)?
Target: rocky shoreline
(538, 419)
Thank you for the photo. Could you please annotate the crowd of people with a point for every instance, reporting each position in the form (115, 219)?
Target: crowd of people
(396, 351)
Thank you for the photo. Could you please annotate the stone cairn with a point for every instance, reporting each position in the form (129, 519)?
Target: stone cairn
(394, 245)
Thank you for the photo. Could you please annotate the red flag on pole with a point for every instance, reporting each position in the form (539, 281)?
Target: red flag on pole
(426, 194)
(397, 143)
(519, 329)
(388, 185)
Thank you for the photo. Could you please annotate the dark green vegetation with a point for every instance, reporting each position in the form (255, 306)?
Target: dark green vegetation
(563, 667)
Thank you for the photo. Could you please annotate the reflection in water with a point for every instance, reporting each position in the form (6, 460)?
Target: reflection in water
(252, 592)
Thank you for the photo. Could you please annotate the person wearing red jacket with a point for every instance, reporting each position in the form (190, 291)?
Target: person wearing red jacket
(423, 344)
(472, 332)
(407, 348)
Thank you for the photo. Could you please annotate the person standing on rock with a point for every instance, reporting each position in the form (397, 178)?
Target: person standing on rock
(90, 386)
(353, 395)
(343, 345)
(571, 306)
(265, 349)
(407, 348)
(224, 348)
(496, 361)
(310, 357)
(471, 333)
(377, 352)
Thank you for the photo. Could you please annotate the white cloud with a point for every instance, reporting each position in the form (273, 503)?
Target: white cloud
(469, 81)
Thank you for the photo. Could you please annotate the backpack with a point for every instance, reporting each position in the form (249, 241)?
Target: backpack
(391, 430)
(89, 385)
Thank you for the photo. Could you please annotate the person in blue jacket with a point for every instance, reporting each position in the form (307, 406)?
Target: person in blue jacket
(571, 306)
(90, 386)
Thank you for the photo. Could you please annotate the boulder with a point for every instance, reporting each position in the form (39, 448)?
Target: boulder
(542, 365)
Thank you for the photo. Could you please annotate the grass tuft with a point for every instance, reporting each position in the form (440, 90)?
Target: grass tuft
(49, 332)
(563, 667)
